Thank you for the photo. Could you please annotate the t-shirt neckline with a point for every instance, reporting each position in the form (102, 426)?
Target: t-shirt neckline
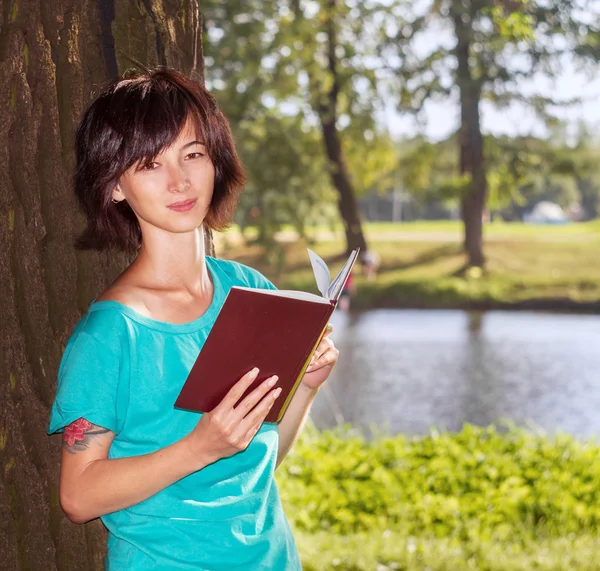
(204, 320)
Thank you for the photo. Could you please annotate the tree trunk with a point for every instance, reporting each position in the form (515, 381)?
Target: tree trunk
(53, 55)
(471, 142)
(327, 108)
(341, 180)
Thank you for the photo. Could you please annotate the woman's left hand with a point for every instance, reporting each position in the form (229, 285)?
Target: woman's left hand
(322, 362)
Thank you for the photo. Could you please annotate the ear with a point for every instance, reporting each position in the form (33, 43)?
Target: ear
(117, 194)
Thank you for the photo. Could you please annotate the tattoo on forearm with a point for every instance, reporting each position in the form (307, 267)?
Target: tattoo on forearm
(80, 434)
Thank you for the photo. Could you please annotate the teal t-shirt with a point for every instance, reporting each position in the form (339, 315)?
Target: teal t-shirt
(123, 371)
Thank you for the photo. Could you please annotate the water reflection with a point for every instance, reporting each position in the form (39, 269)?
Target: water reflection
(413, 369)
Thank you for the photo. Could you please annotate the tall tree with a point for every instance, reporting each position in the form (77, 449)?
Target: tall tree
(483, 50)
(310, 59)
(325, 86)
(53, 56)
(284, 164)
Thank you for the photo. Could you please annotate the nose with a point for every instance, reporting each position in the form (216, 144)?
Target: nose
(178, 180)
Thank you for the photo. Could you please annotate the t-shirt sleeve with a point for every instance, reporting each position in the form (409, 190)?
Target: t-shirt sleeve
(88, 382)
(240, 274)
(257, 280)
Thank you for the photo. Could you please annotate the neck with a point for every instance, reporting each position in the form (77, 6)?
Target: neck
(174, 261)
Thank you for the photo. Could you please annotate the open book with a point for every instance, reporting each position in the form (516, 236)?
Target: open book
(274, 330)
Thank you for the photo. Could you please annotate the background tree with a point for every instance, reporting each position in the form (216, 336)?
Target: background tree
(326, 80)
(282, 156)
(483, 50)
(526, 170)
(580, 160)
(53, 55)
(287, 179)
(311, 60)
(521, 171)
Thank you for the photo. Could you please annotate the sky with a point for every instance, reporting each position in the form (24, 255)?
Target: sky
(442, 119)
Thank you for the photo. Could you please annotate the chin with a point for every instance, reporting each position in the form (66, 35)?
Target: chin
(189, 226)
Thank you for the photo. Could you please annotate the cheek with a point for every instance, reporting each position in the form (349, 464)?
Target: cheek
(143, 194)
(207, 178)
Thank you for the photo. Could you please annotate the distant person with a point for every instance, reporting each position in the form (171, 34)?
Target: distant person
(348, 291)
(370, 262)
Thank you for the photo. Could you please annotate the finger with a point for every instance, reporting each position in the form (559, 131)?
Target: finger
(258, 415)
(258, 393)
(322, 349)
(324, 345)
(328, 358)
(318, 352)
(236, 392)
(252, 433)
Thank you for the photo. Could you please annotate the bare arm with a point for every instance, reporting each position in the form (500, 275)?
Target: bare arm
(92, 485)
(294, 419)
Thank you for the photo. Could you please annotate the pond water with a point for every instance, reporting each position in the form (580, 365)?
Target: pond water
(410, 370)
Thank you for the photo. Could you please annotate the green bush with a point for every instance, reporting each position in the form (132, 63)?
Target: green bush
(473, 491)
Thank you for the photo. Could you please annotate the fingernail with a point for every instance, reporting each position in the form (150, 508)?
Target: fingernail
(276, 393)
(272, 380)
(254, 372)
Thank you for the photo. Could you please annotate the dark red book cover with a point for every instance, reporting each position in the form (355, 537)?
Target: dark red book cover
(255, 328)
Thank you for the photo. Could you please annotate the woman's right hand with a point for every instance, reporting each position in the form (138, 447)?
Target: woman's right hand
(228, 429)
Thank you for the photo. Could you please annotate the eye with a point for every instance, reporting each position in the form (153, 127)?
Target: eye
(150, 166)
(194, 155)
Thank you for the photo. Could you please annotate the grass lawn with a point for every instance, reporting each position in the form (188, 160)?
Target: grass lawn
(391, 551)
(495, 229)
(549, 267)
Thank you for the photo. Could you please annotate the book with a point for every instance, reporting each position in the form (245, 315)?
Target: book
(275, 330)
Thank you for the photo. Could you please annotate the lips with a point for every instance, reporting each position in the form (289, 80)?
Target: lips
(183, 205)
(183, 202)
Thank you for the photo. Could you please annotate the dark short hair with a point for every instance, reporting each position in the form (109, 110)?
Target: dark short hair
(132, 119)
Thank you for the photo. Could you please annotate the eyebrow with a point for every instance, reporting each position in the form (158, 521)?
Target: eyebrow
(191, 144)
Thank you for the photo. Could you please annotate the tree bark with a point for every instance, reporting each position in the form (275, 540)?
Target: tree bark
(327, 109)
(472, 160)
(53, 55)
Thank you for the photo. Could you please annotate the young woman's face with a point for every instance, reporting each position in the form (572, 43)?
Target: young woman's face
(173, 192)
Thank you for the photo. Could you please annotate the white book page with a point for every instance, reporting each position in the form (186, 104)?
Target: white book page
(321, 272)
(287, 293)
(337, 284)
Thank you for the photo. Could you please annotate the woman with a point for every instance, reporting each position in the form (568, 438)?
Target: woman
(156, 162)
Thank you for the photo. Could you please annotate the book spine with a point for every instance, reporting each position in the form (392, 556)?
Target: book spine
(304, 365)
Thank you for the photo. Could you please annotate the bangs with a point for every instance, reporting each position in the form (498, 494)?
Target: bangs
(149, 117)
